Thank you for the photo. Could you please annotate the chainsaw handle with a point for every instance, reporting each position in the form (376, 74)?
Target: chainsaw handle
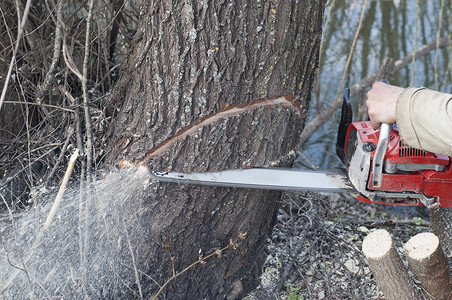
(377, 163)
(383, 141)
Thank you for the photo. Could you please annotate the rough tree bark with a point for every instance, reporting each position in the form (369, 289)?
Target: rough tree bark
(212, 85)
(441, 219)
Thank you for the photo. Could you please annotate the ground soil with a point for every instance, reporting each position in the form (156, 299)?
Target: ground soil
(315, 250)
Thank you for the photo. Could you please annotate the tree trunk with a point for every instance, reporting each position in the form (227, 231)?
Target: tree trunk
(391, 275)
(212, 85)
(429, 265)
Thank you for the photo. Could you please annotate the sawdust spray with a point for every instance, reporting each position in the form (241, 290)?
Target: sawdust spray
(89, 249)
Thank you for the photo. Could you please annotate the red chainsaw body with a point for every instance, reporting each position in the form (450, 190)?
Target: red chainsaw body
(407, 170)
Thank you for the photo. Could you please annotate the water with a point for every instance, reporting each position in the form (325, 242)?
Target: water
(89, 249)
(390, 29)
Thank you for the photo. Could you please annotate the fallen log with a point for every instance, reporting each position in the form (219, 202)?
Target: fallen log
(429, 264)
(391, 276)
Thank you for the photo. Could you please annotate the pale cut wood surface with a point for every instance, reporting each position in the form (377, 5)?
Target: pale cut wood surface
(429, 264)
(391, 275)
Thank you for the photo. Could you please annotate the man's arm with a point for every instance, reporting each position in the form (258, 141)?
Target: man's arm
(423, 116)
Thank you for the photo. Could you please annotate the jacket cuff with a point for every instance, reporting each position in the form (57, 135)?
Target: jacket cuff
(403, 117)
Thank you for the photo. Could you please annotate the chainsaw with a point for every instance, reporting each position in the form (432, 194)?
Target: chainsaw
(379, 168)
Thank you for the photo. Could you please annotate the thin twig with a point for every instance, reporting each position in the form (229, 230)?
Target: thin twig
(60, 158)
(135, 269)
(62, 189)
(20, 31)
(9, 179)
(88, 125)
(70, 62)
(24, 267)
(307, 161)
(438, 35)
(56, 54)
(415, 43)
(232, 244)
(85, 183)
(39, 104)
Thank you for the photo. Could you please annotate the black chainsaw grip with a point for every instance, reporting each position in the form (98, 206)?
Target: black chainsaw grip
(346, 120)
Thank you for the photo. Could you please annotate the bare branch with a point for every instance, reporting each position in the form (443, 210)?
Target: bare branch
(89, 129)
(13, 58)
(70, 62)
(40, 104)
(56, 54)
(59, 196)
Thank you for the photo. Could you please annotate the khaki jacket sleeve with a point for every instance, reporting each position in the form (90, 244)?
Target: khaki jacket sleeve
(424, 119)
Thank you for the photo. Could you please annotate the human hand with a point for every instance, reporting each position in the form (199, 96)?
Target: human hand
(381, 103)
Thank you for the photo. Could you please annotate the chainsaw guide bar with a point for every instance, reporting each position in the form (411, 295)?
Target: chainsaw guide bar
(260, 178)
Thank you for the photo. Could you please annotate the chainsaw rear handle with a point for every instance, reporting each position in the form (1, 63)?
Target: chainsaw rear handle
(377, 162)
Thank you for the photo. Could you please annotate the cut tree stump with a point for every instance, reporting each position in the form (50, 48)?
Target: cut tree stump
(391, 275)
(428, 263)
